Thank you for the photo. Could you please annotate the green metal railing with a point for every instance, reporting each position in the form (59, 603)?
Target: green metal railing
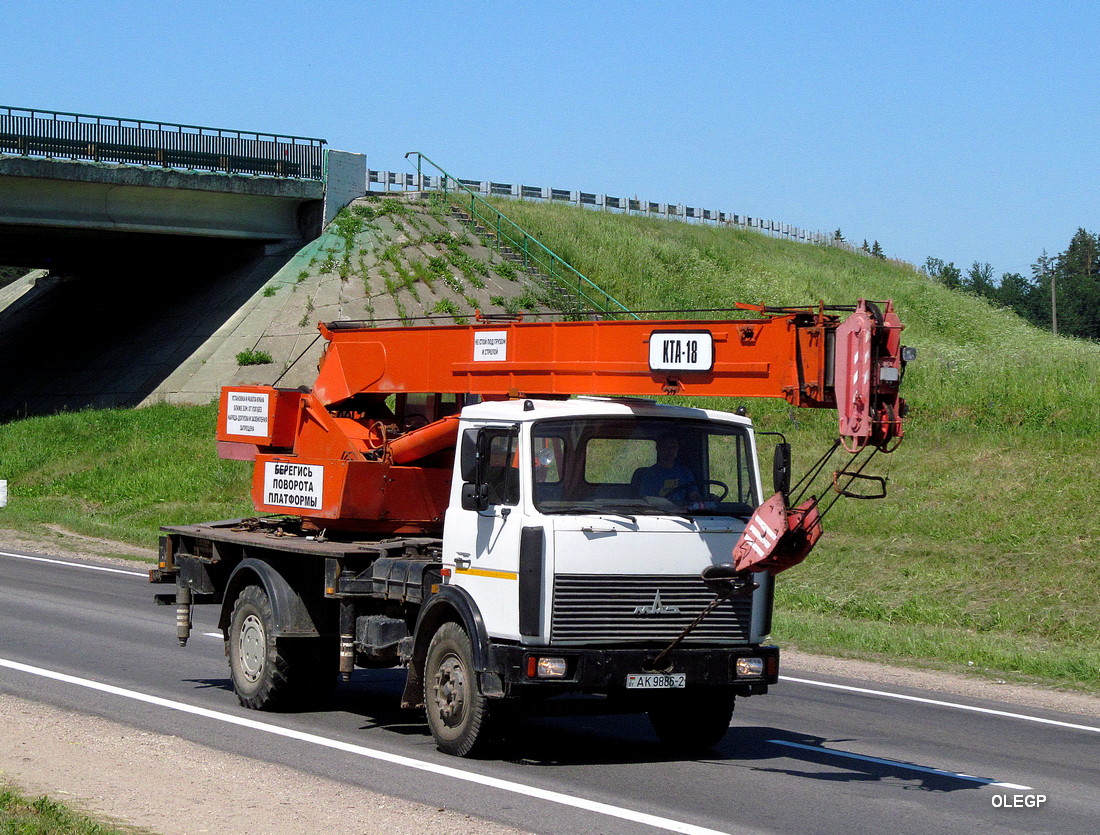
(503, 232)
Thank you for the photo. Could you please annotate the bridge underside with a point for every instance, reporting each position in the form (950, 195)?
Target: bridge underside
(144, 265)
(52, 209)
(107, 333)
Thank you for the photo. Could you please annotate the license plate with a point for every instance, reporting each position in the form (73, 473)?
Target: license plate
(655, 681)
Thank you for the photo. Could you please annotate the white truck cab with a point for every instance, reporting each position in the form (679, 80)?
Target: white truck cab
(579, 531)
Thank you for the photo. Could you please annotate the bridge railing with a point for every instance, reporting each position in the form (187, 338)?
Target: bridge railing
(47, 133)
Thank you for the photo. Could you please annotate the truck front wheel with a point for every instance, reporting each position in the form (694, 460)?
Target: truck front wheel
(458, 713)
(692, 721)
(269, 674)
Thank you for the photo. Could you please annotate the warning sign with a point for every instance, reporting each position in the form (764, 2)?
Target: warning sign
(490, 346)
(300, 486)
(246, 413)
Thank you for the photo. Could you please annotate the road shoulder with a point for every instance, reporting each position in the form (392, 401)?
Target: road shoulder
(168, 785)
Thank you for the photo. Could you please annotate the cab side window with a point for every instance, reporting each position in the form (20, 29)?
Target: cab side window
(501, 470)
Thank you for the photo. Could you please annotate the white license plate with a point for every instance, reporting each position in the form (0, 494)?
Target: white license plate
(655, 681)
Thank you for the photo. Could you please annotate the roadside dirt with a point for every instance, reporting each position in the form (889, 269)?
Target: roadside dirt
(109, 769)
(167, 785)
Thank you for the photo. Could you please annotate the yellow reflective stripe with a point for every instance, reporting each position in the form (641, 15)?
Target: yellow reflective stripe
(485, 572)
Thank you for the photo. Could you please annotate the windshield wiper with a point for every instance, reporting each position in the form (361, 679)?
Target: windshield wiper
(595, 511)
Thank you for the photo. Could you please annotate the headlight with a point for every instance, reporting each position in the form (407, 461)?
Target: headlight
(749, 667)
(539, 667)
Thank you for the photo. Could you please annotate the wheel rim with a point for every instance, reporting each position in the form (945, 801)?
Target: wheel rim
(253, 647)
(451, 691)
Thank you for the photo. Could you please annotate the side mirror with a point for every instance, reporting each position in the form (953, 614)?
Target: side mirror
(781, 468)
(473, 450)
(468, 454)
(475, 496)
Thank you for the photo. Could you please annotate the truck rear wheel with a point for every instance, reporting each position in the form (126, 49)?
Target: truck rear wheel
(458, 713)
(692, 721)
(269, 674)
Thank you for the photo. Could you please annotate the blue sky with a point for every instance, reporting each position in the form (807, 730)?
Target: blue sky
(966, 131)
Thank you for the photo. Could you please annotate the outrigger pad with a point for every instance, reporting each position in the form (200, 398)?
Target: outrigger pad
(777, 537)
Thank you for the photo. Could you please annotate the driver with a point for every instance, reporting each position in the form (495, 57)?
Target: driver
(667, 477)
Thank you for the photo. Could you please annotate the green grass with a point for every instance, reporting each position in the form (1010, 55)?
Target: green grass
(21, 815)
(253, 358)
(119, 474)
(978, 365)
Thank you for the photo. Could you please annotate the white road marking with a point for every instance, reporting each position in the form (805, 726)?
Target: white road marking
(861, 690)
(985, 781)
(143, 574)
(217, 635)
(362, 751)
(990, 711)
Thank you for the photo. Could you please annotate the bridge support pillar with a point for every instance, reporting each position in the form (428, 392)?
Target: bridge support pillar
(345, 180)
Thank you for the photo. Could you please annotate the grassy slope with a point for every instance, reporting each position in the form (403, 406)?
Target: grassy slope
(119, 473)
(978, 555)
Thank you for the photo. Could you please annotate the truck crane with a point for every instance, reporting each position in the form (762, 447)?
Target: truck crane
(505, 510)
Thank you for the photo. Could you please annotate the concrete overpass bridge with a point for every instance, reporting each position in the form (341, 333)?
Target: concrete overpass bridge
(74, 187)
(154, 234)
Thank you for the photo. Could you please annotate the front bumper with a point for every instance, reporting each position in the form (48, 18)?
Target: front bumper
(605, 670)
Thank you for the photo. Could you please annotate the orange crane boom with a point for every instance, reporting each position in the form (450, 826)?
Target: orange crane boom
(810, 357)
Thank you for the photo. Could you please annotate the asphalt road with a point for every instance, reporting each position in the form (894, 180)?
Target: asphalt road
(818, 754)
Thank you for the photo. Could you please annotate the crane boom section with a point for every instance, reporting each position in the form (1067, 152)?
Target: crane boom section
(782, 356)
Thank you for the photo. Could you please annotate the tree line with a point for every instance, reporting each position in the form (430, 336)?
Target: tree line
(1061, 294)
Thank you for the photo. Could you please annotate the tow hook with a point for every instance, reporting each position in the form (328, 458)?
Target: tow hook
(725, 582)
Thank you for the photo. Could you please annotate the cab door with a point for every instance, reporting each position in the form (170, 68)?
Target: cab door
(484, 544)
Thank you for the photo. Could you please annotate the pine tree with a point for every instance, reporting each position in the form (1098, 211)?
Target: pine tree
(1043, 277)
(1075, 273)
(876, 251)
(1022, 296)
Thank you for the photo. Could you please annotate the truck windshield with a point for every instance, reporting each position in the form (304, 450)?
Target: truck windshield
(642, 466)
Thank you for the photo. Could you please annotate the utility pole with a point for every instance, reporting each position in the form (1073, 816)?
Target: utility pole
(1053, 304)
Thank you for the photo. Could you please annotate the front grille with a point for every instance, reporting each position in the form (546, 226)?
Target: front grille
(613, 608)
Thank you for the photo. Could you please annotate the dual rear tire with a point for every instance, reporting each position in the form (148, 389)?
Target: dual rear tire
(298, 674)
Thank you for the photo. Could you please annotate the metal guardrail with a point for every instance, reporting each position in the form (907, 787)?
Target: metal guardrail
(504, 231)
(47, 133)
(664, 211)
